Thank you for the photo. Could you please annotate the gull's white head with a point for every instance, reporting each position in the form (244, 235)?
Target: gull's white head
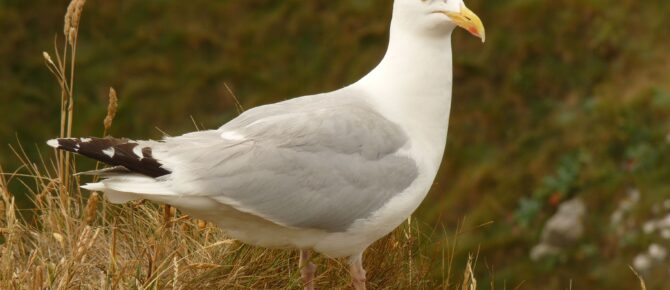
(436, 18)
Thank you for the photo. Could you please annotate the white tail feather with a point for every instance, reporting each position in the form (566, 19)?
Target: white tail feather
(125, 188)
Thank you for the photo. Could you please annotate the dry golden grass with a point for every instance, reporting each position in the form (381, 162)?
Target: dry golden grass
(97, 245)
(111, 110)
(643, 285)
(72, 239)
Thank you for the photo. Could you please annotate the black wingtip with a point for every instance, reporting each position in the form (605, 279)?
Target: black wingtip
(113, 151)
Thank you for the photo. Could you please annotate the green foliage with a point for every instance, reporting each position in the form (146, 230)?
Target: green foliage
(528, 210)
(553, 189)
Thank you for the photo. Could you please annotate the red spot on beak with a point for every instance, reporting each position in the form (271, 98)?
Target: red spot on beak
(473, 31)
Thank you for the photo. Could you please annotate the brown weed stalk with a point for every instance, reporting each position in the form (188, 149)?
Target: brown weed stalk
(112, 107)
(65, 77)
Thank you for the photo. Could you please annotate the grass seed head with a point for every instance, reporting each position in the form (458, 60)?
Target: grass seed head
(68, 17)
(111, 109)
(76, 15)
(59, 238)
(469, 281)
(91, 208)
(72, 18)
(72, 35)
(47, 58)
(175, 278)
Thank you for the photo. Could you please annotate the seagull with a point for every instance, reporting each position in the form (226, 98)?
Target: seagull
(329, 173)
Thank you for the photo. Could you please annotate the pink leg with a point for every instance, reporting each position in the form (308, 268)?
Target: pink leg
(307, 270)
(357, 272)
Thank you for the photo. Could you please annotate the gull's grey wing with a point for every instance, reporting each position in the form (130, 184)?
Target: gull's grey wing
(317, 162)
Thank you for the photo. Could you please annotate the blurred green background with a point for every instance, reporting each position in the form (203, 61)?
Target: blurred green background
(567, 99)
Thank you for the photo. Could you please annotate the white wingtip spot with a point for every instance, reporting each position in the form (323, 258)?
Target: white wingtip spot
(232, 135)
(53, 143)
(109, 152)
(98, 186)
(137, 150)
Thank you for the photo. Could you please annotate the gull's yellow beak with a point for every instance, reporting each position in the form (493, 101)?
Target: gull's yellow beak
(469, 21)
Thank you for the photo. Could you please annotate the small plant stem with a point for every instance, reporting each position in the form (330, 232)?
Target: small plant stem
(70, 110)
(62, 157)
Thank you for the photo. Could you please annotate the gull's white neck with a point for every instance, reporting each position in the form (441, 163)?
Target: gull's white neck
(412, 86)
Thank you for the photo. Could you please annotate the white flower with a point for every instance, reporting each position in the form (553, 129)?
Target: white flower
(642, 263)
(649, 227)
(665, 222)
(616, 217)
(634, 195)
(657, 252)
(665, 233)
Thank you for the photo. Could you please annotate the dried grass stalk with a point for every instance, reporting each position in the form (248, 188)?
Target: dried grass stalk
(469, 281)
(91, 208)
(202, 224)
(60, 239)
(167, 215)
(39, 274)
(112, 250)
(111, 110)
(47, 58)
(68, 17)
(76, 15)
(175, 278)
(72, 18)
(70, 29)
(643, 285)
(71, 37)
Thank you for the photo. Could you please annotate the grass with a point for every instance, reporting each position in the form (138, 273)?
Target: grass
(95, 245)
(73, 239)
(92, 244)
